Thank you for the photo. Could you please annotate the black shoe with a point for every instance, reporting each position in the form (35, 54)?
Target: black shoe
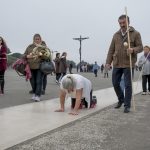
(118, 105)
(43, 92)
(31, 92)
(126, 110)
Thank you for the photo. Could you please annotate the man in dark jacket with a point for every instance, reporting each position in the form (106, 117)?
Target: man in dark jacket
(119, 54)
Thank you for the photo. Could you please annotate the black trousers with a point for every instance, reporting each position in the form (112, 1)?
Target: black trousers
(2, 81)
(70, 70)
(58, 76)
(145, 80)
(83, 101)
(44, 82)
(62, 75)
(36, 81)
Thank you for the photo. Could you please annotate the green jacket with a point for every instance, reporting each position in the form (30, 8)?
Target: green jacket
(118, 52)
(33, 63)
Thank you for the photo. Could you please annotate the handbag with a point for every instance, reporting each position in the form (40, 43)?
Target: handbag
(20, 69)
(47, 67)
(20, 66)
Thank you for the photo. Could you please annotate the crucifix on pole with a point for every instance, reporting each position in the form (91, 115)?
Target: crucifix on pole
(80, 39)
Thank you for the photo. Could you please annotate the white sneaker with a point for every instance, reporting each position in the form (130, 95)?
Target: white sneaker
(143, 93)
(33, 97)
(148, 93)
(37, 99)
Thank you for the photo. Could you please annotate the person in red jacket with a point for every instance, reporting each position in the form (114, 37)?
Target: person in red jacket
(3, 64)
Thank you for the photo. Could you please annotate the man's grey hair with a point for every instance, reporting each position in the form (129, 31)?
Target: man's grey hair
(68, 83)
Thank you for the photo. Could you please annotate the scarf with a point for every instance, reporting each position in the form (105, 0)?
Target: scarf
(148, 58)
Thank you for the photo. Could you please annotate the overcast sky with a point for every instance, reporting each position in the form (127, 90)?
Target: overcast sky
(58, 21)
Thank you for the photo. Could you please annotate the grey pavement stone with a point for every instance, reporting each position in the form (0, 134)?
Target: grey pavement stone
(17, 89)
(108, 129)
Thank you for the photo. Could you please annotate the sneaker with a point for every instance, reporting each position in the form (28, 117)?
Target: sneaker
(37, 99)
(148, 92)
(33, 97)
(143, 93)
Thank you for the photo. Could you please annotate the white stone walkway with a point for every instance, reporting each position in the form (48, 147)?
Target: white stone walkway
(20, 123)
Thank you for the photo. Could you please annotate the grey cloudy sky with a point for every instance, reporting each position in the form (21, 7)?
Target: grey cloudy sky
(58, 21)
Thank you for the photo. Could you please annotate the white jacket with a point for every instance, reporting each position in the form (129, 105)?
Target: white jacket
(145, 64)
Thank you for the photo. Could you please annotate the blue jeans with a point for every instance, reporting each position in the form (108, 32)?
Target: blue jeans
(95, 72)
(36, 81)
(116, 79)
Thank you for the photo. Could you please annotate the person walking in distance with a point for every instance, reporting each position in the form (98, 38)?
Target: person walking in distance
(144, 62)
(57, 63)
(63, 65)
(102, 68)
(95, 68)
(119, 54)
(106, 69)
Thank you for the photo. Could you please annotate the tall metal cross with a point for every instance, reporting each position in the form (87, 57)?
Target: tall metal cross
(80, 39)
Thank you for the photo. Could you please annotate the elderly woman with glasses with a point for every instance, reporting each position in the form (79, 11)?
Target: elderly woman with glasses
(78, 87)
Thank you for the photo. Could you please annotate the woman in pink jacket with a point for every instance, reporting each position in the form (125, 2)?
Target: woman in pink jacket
(3, 64)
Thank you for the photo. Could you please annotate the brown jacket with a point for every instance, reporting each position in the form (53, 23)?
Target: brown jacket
(118, 52)
(57, 62)
(63, 65)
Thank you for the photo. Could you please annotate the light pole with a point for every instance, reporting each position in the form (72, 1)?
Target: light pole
(80, 39)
